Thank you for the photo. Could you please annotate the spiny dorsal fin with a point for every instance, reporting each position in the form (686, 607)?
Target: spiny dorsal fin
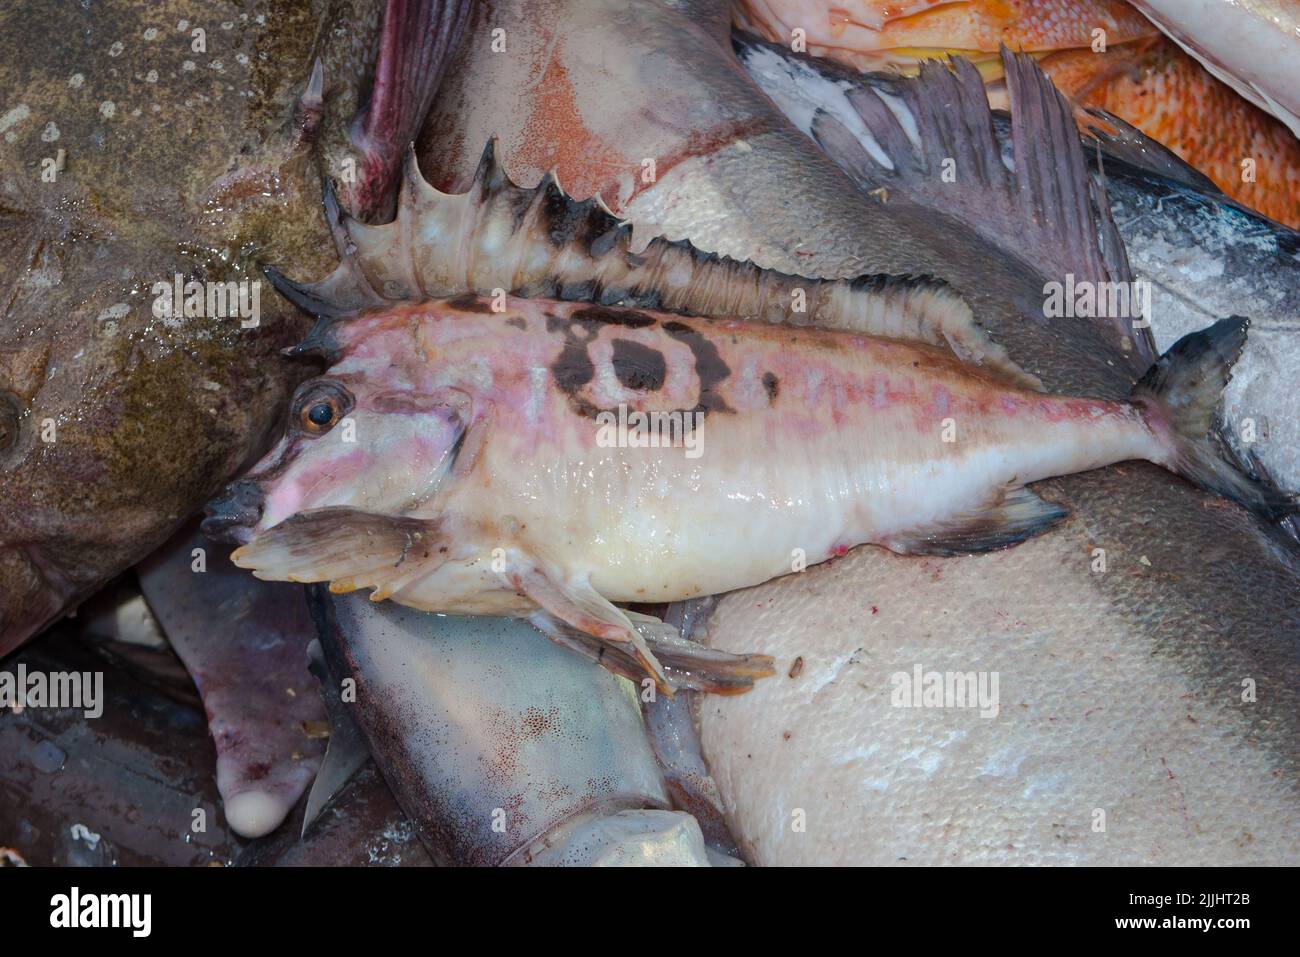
(541, 243)
(905, 131)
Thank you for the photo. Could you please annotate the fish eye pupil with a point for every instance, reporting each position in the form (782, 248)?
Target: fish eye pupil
(322, 413)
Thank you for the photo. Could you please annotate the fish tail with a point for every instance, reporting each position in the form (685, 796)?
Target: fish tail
(1180, 395)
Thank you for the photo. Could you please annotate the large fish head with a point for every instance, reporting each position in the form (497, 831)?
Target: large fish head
(368, 436)
(130, 159)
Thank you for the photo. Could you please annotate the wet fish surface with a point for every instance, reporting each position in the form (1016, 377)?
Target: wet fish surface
(1191, 599)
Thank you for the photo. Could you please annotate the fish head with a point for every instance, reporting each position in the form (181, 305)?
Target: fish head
(120, 417)
(371, 441)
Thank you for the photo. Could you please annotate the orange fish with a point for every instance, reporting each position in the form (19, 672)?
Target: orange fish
(1102, 53)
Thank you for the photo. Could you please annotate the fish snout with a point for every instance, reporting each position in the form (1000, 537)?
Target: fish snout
(232, 515)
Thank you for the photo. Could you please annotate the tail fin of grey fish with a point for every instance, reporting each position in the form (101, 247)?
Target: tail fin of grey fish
(929, 140)
(1181, 394)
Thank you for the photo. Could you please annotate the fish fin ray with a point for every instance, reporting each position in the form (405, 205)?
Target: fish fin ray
(581, 607)
(1181, 395)
(1015, 515)
(417, 40)
(1050, 200)
(347, 750)
(687, 665)
(345, 546)
(443, 245)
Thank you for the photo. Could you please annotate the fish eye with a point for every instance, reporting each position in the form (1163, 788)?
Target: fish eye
(321, 414)
(321, 406)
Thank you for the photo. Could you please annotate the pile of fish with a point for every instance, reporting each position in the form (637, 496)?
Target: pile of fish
(669, 441)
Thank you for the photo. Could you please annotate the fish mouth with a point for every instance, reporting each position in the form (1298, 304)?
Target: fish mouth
(232, 516)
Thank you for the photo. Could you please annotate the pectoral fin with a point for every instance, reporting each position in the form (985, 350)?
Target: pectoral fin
(1016, 514)
(687, 665)
(580, 606)
(344, 546)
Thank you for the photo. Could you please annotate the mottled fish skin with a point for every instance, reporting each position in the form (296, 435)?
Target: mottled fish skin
(1252, 45)
(1196, 595)
(244, 642)
(1168, 95)
(145, 415)
(888, 35)
(179, 138)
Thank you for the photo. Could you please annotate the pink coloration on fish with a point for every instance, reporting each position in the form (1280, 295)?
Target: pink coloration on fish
(463, 460)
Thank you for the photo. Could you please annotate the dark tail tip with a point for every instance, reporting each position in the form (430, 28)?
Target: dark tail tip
(1181, 393)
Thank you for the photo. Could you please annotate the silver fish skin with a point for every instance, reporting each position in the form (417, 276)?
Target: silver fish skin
(1129, 662)
(501, 747)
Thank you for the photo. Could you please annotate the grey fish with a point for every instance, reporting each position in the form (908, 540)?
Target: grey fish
(1147, 648)
(493, 764)
(1203, 254)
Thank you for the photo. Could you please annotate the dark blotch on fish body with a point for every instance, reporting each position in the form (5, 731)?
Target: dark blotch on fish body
(470, 303)
(708, 366)
(639, 367)
(772, 385)
(592, 317)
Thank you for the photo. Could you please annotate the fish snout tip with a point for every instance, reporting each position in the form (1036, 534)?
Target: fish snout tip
(232, 516)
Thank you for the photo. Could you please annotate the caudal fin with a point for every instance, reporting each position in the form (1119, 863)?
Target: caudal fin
(1181, 393)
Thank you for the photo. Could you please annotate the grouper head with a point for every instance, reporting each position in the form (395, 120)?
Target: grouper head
(148, 147)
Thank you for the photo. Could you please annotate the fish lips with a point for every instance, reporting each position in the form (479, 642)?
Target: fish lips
(232, 516)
